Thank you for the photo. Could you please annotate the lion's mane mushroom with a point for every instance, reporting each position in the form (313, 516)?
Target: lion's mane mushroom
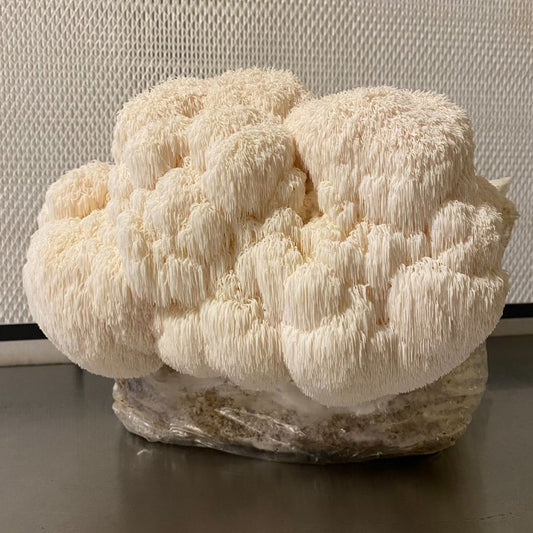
(251, 231)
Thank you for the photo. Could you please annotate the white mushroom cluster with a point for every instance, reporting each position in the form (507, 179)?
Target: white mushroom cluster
(249, 230)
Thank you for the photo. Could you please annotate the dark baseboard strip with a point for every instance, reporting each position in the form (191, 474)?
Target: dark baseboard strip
(23, 332)
(20, 332)
(518, 311)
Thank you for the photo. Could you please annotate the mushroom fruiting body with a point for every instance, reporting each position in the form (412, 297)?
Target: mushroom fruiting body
(251, 231)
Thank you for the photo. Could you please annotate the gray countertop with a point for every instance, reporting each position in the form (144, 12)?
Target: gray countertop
(67, 465)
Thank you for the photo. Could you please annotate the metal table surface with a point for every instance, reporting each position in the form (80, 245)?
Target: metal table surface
(67, 465)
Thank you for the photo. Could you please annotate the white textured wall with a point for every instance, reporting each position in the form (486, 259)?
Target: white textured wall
(66, 66)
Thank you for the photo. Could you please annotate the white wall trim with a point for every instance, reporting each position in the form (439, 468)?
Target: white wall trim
(31, 352)
(514, 326)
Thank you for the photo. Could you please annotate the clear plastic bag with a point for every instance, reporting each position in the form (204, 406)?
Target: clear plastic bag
(285, 425)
